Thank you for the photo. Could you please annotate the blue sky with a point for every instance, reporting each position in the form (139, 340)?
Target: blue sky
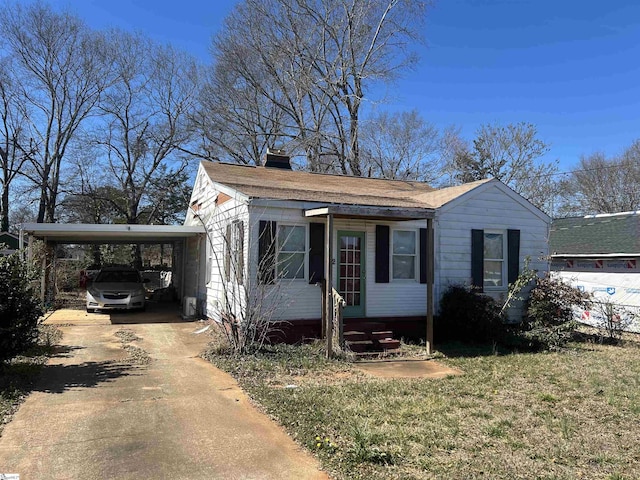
(570, 67)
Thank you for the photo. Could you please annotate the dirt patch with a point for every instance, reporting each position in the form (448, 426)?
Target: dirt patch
(406, 369)
(136, 354)
(126, 336)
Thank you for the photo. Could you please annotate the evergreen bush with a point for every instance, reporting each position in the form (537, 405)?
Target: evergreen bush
(20, 308)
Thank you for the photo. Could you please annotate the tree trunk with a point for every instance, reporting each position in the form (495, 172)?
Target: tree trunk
(4, 210)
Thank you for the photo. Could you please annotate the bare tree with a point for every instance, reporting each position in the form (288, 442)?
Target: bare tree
(604, 185)
(145, 121)
(315, 61)
(63, 68)
(16, 148)
(401, 146)
(247, 298)
(512, 154)
(144, 125)
(237, 121)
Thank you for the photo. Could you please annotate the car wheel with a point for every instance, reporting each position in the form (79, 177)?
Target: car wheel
(91, 310)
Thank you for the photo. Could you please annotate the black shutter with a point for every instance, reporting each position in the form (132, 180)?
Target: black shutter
(316, 252)
(382, 254)
(423, 255)
(513, 255)
(240, 250)
(477, 259)
(267, 252)
(227, 253)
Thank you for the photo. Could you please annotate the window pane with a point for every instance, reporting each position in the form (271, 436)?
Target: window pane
(291, 265)
(404, 242)
(291, 238)
(493, 245)
(404, 266)
(492, 273)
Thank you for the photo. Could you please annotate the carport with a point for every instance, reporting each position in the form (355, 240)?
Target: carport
(83, 233)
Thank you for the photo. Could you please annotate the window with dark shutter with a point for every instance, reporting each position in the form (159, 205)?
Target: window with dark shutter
(477, 259)
(382, 254)
(238, 243)
(513, 255)
(423, 255)
(316, 252)
(227, 253)
(266, 252)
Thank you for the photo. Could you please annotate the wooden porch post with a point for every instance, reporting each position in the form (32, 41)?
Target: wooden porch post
(328, 284)
(430, 280)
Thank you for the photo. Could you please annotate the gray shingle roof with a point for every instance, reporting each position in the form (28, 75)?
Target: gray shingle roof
(602, 234)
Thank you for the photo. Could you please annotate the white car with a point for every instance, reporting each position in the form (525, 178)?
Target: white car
(116, 288)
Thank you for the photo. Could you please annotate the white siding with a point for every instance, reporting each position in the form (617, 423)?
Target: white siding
(490, 208)
(300, 300)
(213, 294)
(287, 299)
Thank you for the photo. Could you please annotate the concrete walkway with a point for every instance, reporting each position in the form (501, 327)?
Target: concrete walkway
(94, 415)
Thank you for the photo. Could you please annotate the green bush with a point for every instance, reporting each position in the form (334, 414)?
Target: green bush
(467, 316)
(549, 321)
(20, 308)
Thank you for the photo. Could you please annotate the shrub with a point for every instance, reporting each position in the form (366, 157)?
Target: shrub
(612, 320)
(468, 316)
(20, 309)
(549, 321)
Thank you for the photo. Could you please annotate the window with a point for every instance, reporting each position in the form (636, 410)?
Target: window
(494, 259)
(234, 251)
(291, 251)
(404, 254)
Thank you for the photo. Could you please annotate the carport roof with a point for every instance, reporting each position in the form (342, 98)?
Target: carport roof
(99, 233)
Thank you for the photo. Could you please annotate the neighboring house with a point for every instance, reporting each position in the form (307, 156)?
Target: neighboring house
(9, 243)
(267, 231)
(600, 254)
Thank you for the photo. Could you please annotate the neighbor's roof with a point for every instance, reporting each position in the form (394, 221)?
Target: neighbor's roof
(9, 239)
(607, 234)
(280, 184)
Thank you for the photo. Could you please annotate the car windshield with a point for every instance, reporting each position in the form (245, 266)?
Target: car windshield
(118, 277)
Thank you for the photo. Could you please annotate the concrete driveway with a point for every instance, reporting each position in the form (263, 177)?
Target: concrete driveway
(94, 414)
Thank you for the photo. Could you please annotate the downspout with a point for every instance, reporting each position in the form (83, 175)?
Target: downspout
(183, 254)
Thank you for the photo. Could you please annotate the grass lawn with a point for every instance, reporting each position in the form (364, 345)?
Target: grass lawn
(568, 415)
(17, 375)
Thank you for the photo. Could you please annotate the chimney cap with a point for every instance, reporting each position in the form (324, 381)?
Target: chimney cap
(277, 158)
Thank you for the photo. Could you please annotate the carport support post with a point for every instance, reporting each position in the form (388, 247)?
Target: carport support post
(328, 297)
(430, 280)
(44, 274)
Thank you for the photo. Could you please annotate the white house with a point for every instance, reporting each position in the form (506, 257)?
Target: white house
(267, 229)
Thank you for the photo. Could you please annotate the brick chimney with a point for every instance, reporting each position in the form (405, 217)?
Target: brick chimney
(276, 158)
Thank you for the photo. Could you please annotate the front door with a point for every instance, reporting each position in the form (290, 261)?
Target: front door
(351, 250)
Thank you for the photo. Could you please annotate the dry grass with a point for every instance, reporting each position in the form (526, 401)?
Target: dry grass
(568, 415)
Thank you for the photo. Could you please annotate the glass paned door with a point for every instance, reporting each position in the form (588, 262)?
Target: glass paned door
(350, 277)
